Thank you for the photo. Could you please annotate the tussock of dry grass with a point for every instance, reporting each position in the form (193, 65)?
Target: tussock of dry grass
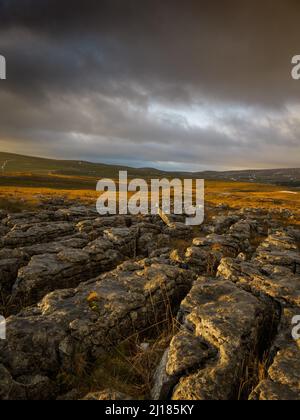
(128, 368)
(255, 371)
(12, 205)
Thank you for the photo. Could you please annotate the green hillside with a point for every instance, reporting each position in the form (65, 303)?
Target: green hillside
(19, 170)
(12, 163)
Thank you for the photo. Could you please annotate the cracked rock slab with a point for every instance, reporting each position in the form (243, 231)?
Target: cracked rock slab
(280, 249)
(283, 376)
(45, 340)
(68, 268)
(274, 281)
(221, 326)
(30, 234)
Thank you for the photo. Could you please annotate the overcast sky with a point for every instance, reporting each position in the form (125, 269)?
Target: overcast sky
(175, 84)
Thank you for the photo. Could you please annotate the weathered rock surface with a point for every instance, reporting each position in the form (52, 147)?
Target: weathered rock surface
(280, 249)
(48, 272)
(276, 282)
(65, 264)
(27, 234)
(94, 281)
(206, 252)
(94, 228)
(88, 320)
(175, 225)
(223, 223)
(273, 272)
(221, 329)
(283, 377)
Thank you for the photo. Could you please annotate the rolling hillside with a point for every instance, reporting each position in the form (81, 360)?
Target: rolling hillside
(33, 171)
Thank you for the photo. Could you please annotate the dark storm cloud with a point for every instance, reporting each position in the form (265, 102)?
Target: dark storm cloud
(94, 70)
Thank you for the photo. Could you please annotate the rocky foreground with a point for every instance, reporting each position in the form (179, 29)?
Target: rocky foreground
(72, 283)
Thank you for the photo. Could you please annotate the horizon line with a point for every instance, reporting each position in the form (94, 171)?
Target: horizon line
(150, 167)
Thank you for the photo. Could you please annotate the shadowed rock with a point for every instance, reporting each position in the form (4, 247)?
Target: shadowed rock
(221, 329)
(283, 376)
(29, 234)
(89, 320)
(48, 272)
(280, 249)
(273, 272)
(227, 321)
(274, 281)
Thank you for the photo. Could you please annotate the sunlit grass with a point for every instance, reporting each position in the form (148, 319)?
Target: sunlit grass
(234, 194)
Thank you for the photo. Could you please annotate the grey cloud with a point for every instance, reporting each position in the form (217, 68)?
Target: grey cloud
(93, 69)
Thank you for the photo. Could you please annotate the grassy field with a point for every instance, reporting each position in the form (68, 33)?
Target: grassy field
(234, 194)
(37, 171)
(23, 180)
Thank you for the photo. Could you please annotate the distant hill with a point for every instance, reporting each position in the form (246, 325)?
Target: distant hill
(35, 170)
(284, 177)
(13, 163)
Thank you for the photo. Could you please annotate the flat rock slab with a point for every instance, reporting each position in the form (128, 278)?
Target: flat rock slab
(280, 249)
(274, 281)
(221, 326)
(29, 234)
(68, 268)
(45, 340)
(206, 253)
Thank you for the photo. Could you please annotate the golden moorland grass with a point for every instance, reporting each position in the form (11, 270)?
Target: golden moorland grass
(234, 194)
